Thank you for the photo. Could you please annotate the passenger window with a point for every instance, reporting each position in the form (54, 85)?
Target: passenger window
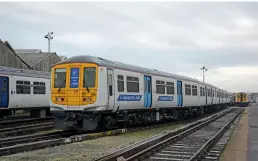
(39, 88)
(187, 89)
(23, 87)
(160, 87)
(170, 88)
(132, 84)
(194, 90)
(120, 83)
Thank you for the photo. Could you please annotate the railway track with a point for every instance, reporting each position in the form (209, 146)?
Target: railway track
(11, 145)
(25, 129)
(23, 121)
(23, 126)
(189, 143)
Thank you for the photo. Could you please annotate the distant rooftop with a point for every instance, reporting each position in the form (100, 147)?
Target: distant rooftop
(33, 58)
(33, 51)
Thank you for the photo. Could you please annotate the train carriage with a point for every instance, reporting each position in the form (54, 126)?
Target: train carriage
(24, 89)
(88, 92)
(242, 99)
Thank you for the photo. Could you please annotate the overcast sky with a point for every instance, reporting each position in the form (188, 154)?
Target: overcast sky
(169, 36)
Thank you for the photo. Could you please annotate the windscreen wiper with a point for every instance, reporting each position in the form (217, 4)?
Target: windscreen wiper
(87, 88)
(61, 86)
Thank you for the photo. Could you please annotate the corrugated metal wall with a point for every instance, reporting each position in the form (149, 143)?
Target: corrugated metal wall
(9, 59)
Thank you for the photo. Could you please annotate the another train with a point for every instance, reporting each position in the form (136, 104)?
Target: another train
(242, 99)
(90, 92)
(22, 89)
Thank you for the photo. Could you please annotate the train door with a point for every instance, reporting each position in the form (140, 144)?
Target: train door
(111, 89)
(206, 95)
(4, 92)
(212, 94)
(179, 94)
(147, 92)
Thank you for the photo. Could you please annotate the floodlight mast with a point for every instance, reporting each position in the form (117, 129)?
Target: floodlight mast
(49, 36)
(204, 69)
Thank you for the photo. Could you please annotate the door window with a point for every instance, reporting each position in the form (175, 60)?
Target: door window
(5, 86)
(110, 85)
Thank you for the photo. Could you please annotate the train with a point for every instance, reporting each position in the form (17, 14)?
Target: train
(242, 99)
(22, 89)
(89, 92)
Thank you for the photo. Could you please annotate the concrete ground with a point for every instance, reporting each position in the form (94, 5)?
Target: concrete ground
(243, 145)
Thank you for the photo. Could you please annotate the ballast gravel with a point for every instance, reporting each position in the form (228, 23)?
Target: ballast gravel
(89, 150)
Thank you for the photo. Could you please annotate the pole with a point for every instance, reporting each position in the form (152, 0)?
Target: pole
(49, 46)
(204, 69)
(203, 76)
(49, 36)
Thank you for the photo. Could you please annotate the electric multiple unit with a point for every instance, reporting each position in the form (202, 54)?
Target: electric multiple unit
(242, 99)
(90, 92)
(23, 89)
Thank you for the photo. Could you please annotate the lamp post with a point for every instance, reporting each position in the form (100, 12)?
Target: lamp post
(204, 69)
(49, 36)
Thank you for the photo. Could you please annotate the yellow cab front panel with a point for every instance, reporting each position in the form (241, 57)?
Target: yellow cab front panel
(74, 84)
(238, 97)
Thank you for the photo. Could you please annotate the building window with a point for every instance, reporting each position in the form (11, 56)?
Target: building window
(194, 90)
(188, 89)
(22, 87)
(170, 88)
(120, 83)
(39, 88)
(132, 84)
(160, 86)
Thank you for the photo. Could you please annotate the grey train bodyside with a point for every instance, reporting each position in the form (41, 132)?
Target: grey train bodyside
(24, 89)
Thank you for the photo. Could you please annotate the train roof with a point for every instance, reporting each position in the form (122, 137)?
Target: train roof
(24, 72)
(113, 64)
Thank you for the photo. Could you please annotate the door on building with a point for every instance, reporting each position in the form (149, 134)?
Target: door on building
(4, 92)
(147, 92)
(111, 89)
(179, 94)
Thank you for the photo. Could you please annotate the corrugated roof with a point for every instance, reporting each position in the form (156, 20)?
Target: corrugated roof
(63, 57)
(34, 58)
(32, 51)
(8, 45)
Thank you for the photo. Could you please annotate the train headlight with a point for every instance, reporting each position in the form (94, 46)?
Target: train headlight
(87, 99)
(59, 99)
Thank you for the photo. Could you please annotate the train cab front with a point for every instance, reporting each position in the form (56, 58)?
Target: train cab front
(73, 87)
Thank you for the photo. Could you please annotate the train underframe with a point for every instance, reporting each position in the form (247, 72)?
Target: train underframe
(85, 121)
(242, 104)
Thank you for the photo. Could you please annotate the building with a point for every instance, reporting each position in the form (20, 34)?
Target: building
(33, 59)
(38, 60)
(9, 58)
